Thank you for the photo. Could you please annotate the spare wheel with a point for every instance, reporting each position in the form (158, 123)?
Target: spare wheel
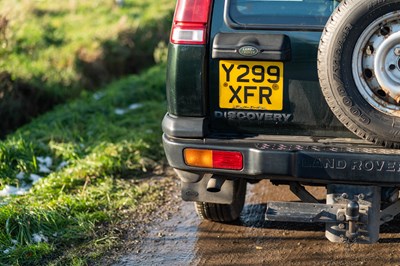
(359, 68)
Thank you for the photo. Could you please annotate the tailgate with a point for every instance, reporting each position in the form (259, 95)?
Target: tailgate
(263, 68)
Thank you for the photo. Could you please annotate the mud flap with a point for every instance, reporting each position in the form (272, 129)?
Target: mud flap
(198, 191)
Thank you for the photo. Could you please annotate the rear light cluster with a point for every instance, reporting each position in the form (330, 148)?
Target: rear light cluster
(231, 160)
(190, 22)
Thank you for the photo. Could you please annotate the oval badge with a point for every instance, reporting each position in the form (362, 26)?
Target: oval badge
(248, 50)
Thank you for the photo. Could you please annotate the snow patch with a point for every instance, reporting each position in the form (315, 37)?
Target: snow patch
(44, 169)
(62, 165)
(35, 178)
(44, 164)
(20, 175)
(135, 106)
(122, 111)
(11, 190)
(98, 95)
(38, 238)
(119, 111)
(47, 161)
(8, 250)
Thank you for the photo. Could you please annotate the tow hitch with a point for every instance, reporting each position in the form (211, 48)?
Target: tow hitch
(351, 213)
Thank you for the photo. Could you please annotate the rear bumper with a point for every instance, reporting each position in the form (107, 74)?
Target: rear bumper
(297, 158)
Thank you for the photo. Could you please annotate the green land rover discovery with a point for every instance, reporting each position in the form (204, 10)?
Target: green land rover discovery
(300, 92)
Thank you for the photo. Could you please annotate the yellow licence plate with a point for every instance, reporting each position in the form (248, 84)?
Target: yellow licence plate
(251, 85)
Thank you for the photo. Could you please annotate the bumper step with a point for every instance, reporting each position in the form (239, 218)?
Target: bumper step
(302, 212)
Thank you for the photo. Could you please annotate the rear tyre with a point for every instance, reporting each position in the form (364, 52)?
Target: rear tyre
(359, 68)
(224, 212)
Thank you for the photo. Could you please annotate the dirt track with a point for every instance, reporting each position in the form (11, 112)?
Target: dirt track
(185, 240)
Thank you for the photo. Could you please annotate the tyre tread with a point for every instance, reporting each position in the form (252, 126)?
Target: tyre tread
(223, 212)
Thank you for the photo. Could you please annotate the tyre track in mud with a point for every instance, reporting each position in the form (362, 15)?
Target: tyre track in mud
(185, 240)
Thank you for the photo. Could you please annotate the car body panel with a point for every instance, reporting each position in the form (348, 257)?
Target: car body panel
(304, 112)
(186, 88)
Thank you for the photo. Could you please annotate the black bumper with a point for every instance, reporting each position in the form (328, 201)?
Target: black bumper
(297, 158)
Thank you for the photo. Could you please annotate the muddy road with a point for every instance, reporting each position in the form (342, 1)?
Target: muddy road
(183, 239)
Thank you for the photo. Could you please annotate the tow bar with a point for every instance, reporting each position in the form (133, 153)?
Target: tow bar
(351, 213)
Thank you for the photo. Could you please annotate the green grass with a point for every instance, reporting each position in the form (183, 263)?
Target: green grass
(104, 147)
(54, 50)
(45, 39)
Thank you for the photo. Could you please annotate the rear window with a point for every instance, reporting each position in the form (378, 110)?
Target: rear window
(285, 13)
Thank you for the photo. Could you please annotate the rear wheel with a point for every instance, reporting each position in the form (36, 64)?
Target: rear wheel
(359, 68)
(224, 212)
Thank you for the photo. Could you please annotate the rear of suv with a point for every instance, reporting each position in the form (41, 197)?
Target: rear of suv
(298, 92)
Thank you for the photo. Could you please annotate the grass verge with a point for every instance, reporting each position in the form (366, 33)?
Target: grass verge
(52, 50)
(90, 154)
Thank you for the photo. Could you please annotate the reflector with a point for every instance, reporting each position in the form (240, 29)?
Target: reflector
(231, 160)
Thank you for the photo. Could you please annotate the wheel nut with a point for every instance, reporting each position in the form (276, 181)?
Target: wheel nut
(397, 51)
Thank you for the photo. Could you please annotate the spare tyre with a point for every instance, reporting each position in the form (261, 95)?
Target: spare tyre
(359, 68)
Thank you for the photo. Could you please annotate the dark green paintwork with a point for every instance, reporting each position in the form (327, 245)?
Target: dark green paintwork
(192, 86)
(310, 115)
(186, 80)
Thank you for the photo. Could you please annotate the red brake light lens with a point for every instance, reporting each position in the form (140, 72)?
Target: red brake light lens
(192, 11)
(190, 22)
